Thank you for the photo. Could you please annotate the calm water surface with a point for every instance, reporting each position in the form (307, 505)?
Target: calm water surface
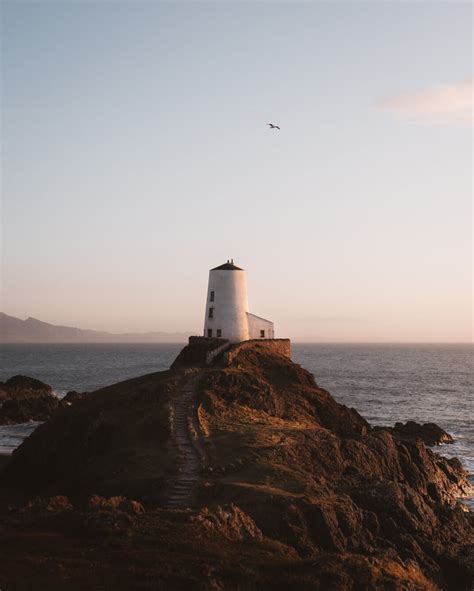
(385, 383)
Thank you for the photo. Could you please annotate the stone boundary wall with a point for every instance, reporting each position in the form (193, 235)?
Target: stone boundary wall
(211, 355)
(277, 346)
(213, 346)
(200, 352)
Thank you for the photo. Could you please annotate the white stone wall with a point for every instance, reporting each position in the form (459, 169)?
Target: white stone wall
(230, 305)
(257, 325)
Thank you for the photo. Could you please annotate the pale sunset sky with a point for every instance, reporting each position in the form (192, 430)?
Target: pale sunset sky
(136, 156)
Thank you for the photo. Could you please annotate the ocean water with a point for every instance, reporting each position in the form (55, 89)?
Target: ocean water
(385, 383)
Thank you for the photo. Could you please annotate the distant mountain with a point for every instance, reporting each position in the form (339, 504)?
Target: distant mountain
(31, 330)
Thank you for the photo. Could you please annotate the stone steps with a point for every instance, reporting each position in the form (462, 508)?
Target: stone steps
(183, 488)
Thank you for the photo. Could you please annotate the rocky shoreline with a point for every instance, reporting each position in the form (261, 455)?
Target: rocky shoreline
(291, 490)
(24, 399)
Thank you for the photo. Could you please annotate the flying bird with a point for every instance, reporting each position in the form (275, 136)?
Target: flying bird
(273, 126)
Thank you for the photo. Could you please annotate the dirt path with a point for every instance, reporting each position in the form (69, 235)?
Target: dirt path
(190, 450)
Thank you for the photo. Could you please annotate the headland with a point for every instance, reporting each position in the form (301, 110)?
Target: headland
(230, 471)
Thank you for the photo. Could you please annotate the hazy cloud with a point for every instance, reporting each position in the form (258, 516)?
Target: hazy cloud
(446, 103)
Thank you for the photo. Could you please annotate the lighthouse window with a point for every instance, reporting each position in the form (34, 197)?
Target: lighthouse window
(212, 296)
(262, 334)
(211, 312)
(218, 333)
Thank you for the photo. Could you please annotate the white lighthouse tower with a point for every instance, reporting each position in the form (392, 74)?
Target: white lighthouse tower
(227, 314)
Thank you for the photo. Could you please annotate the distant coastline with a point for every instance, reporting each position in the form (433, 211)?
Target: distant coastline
(16, 331)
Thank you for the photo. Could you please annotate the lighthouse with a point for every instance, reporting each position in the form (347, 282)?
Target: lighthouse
(227, 313)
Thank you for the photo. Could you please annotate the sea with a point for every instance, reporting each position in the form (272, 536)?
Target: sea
(385, 383)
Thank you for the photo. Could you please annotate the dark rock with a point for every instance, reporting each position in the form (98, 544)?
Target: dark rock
(97, 503)
(54, 504)
(371, 523)
(73, 396)
(322, 500)
(23, 410)
(429, 433)
(132, 507)
(25, 399)
(20, 387)
(4, 395)
(228, 521)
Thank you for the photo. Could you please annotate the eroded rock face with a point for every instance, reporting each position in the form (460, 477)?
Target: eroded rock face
(320, 479)
(228, 521)
(288, 470)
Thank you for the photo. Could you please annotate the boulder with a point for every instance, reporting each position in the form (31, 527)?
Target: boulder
(21, 387)
(25, 399)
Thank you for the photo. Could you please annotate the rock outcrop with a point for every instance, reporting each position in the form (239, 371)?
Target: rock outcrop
(24, 399)
(297, 491)
(228, 521)
(73, 396)
(430, 433)
(22, 387)
(28, 409)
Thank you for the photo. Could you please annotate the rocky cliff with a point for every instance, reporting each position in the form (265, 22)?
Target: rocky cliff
(251, 476)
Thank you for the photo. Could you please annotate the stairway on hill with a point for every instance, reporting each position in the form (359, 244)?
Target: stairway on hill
(183, 489)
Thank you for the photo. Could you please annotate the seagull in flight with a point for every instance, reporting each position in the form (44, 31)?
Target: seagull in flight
(273, 126)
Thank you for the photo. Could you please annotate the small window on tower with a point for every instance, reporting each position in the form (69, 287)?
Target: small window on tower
(212, 296)
(219, 333)
(211, 312)
(209, 333)
(262, 334)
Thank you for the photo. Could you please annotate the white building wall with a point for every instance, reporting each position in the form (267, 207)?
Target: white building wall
(257, 325)
(230, 305)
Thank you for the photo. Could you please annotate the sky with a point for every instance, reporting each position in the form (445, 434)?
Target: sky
(136, 156)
